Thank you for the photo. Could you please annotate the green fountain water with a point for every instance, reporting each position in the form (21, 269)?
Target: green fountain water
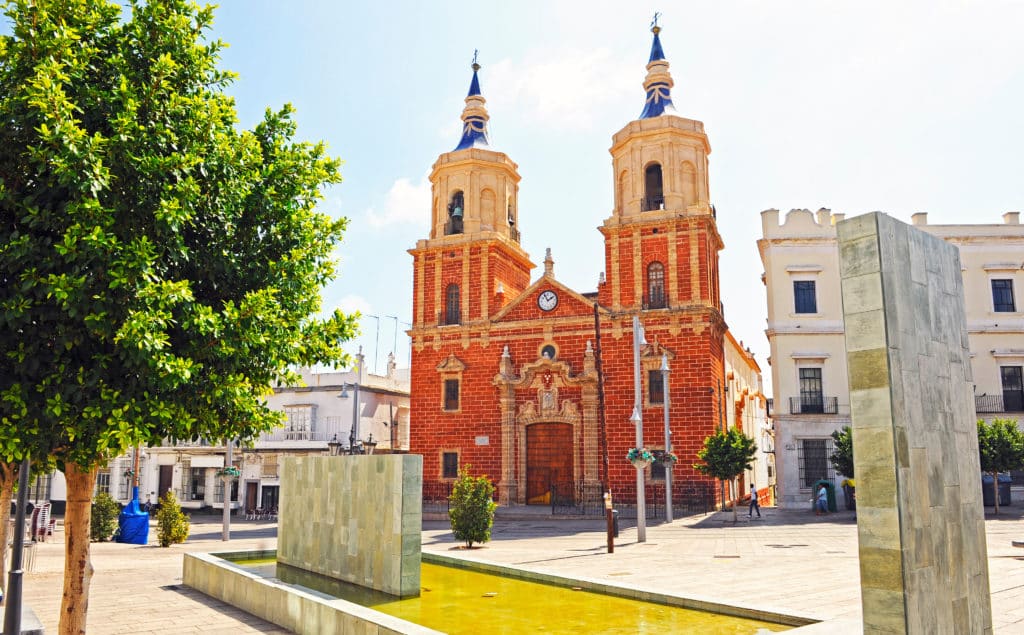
(456, 600)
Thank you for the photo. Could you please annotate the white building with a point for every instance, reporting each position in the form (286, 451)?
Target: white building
(805, 331)
(318, 414)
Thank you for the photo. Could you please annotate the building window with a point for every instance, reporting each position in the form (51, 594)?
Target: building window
(450, 465)
(805, 297)
(299, 422)
(1002, 296)
(812, 400)
(452, 305)
(1013, 388)
(656, 286)
(813, 458)
(655, 387)
(103, 482)
(654, 197)
(657, 471)
(456, 209)
(197, 484)
(451, 394)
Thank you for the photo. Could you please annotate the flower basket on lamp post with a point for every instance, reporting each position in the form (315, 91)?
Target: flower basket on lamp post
(640, 457)
(230, 472)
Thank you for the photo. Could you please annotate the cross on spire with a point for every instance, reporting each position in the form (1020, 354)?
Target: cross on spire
(654, 22)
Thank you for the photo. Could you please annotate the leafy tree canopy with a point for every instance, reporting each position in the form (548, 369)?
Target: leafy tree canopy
(1000, 446)
(842, 453)
(726, 455)
(160, 268)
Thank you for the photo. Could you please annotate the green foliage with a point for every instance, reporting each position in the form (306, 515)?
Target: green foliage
(160, 267)
(172, 524)
(103, 522)
(726, 455)
(471, 508)
(1000, 446)
(842, 455)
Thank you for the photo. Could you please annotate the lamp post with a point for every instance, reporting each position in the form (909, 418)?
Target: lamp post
(370, 445)
(225, 533)
(668, 439)
(638, 421)
(354, 432)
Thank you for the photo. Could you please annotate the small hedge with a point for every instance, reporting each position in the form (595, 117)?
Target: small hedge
(103, 521)
(172, 524)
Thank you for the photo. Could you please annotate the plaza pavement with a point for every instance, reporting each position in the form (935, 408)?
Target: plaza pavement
(789, 561)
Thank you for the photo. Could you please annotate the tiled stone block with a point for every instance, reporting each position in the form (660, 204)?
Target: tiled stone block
(920, 522)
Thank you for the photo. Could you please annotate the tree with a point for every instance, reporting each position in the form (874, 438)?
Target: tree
(1000, 449)
(160, 268)
(725, 456)
(471, 508)
(103, 517)
(842, 454)
(172, 524)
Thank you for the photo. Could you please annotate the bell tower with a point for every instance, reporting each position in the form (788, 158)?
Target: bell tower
(661, 241)
(472, 260)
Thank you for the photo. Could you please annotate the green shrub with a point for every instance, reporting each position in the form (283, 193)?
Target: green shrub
(103, 520)
(471, 508)
(172, 524)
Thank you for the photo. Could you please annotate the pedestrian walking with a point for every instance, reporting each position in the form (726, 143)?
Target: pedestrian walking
(753, 503)
(822, 506)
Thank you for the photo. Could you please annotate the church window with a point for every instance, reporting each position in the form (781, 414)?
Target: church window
(654, 197)
(451, 394)
(655, 387)
(456, 211)
(656, 286)
(452, 305)
(450, 465)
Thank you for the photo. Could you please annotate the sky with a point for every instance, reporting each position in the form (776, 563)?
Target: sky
(900, 107)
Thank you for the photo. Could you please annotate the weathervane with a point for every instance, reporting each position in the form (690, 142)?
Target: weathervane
(654, 22)
(476, 66)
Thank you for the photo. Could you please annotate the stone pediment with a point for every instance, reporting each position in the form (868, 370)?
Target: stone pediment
(451, 364)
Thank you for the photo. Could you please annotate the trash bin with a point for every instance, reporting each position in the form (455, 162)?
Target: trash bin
(987, 495)
(830, 489)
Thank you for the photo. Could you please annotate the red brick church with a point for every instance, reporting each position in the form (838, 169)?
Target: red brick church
(504, 368)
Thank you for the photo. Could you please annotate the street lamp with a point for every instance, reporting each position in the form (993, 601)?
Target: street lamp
(668, 438)
(354, 432)
(637, 419)
(334, 446)
(369, 445)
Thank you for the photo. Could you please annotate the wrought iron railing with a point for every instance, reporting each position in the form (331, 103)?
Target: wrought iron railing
(435, 496)
(998, 403)
(655, 301)
(587, 499)
(813, 405)
(653, 203)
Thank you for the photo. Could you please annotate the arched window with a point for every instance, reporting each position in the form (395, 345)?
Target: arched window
(452, 306)
(656, 286)
(654, 198)
(456, 208)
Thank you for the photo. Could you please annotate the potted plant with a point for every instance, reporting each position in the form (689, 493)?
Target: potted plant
(231, 471)
(640, 457)
(666, 457)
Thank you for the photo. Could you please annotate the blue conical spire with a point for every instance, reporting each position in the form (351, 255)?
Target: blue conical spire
(474, 116)
(658, 83)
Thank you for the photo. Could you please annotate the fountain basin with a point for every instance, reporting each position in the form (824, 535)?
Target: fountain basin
(305, 610)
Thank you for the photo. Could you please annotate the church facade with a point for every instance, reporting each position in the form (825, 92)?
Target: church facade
(504, 370)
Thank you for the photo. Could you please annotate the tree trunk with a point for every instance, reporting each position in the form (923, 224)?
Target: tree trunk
(995, 490)
(8, 476)
(77, 567)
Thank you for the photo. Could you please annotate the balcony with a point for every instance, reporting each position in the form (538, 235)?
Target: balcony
(447, 318)
(814, 405)
(295, 435)
(1007, 402)
(656, 300)
(652, 203)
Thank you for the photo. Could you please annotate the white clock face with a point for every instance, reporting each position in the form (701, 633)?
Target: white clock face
(547, 300)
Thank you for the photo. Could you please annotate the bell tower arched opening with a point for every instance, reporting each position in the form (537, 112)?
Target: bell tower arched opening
(456, 212)
(654, 195)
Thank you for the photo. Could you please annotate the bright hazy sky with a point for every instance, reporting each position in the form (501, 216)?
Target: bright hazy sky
(901, 107)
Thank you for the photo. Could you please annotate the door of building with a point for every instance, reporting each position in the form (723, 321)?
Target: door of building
(166, 478)
(548, 460)
(252, 488)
